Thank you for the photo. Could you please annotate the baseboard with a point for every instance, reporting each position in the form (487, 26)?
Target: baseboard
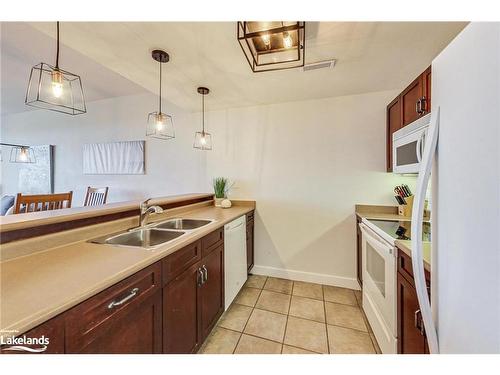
(319, 278)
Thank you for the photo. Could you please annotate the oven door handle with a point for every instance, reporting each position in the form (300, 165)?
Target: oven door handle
(377, 243)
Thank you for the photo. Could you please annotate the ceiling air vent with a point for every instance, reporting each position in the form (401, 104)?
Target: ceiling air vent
(319, 65)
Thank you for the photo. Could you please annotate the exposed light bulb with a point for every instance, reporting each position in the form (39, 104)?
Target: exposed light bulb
(57, 85)
(203, 140)
(266, 38)
(23, 154)
(159, 122)
(287, 39)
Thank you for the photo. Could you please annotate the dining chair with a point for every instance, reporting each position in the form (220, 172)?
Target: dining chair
(42, 202)
(96, 196)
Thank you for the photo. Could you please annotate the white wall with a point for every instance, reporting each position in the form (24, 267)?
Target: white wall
(306, 164)
(172, 166)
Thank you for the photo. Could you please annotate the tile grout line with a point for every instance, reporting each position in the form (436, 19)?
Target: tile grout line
(287, 316)
(326, 322)
(253, 308)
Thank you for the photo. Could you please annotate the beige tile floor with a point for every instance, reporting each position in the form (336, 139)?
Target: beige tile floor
(273, 316)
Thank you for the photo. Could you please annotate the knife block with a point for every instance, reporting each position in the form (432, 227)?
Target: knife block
(406, 209)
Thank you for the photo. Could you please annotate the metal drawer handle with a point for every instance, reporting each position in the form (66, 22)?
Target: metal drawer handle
(201, 277)
(132, 294)
(418, 322)
(205, 273)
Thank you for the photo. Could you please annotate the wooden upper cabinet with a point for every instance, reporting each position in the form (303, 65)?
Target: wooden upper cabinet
(413, 103)
(410, 99)
(394, 123)
(426, 98)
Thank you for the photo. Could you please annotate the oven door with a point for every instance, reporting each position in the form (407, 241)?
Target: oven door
(407, 152)
(379, 287)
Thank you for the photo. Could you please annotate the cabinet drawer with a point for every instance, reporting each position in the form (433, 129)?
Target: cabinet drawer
(177, 262)
(211, 241)
(90, 319)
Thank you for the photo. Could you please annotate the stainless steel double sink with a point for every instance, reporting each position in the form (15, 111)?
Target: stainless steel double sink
(152, 235)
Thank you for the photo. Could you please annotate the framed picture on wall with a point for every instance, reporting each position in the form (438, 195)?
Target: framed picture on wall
(114, 158)
(38, 177)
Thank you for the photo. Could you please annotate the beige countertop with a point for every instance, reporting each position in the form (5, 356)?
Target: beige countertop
(39, 286)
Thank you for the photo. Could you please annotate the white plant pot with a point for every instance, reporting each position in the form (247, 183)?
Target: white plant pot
(218, 202)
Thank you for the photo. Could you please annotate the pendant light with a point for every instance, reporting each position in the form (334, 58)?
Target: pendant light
(20, 153)
(272, 45)
(203, 140)
(55, 89)
(160, 125)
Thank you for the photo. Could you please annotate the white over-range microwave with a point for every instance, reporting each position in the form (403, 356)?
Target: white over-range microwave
(408, 144)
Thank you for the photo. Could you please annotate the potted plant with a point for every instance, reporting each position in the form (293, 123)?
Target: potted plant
(221, 187)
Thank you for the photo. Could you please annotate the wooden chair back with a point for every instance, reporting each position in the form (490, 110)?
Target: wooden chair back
(42, 202)
(96, 196)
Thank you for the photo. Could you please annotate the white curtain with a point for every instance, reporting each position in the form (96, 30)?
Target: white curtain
(114, 158)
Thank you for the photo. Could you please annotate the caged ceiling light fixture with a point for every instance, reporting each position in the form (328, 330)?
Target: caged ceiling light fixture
(20, 153)
(160, 125)
(275, 45)
(203, 140)
(55, 89)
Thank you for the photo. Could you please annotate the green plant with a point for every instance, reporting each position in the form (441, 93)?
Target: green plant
(221, 186)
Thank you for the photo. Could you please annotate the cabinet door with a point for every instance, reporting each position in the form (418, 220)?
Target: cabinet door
(125, 318)
(410, 338)
(410, 97)
(426, 76)
(181, 313)
(250, 245)
(53, 330)
(212, 290)
(137, 331)
(394, 123)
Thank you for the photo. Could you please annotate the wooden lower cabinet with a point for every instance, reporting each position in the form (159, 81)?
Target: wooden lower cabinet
(52, 329)
(359, 257)
(136, 332)
(212, 290)
(411, 334)
(250, 241)
(182, 313)
(125, 318)
(168, 307)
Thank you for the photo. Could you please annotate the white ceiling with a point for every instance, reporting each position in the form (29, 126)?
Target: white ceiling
(371, 56)
(22, 47)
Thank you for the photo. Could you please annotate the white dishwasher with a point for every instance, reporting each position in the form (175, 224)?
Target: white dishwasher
(235, 258)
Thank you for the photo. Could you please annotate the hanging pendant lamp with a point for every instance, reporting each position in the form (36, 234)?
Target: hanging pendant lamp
(160, 125)
(203, 140)
(20, 153)
(55, 89)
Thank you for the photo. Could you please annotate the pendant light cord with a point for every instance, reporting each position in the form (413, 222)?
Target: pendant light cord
(203, 114)
(160, 91)
(57, 48)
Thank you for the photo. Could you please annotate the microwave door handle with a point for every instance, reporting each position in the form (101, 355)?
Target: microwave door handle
(419, 149)
(416, 231)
